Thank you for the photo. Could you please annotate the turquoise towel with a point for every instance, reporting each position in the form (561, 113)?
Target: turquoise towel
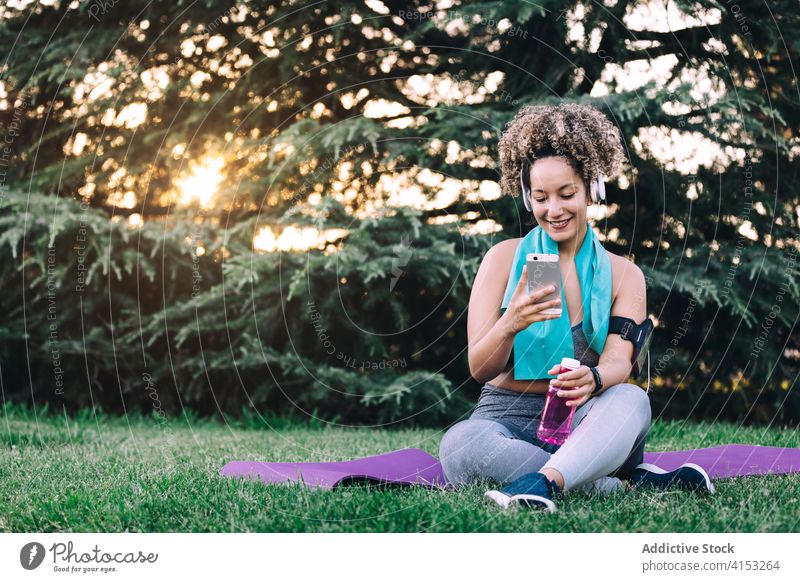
(542, 345)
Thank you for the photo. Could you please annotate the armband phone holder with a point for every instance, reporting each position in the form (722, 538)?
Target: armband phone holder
(639, 335)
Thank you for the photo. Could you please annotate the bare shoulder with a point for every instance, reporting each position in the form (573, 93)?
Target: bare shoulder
(501, 254)
(488, 288)
(490, 280)
(628, 288)
(505, 247)
(624, 271)
(493, 270)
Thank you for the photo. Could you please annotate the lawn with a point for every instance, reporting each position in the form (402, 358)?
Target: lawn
(112, 474)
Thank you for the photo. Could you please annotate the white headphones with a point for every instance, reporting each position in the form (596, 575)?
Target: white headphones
(597, 188)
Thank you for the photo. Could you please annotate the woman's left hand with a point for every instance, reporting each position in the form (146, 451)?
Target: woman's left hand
(576, 385)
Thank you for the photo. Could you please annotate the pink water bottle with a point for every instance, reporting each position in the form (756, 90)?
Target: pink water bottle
(556, 423)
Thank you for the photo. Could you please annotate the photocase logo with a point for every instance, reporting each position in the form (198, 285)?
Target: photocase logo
(31, 555)
(404, 253)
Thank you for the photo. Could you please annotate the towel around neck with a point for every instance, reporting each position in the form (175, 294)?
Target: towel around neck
(541, 345)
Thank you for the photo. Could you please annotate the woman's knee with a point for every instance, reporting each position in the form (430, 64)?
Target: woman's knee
(468, 434)
(463, 446)
(628, 391)
(636, 402)
(632, 397)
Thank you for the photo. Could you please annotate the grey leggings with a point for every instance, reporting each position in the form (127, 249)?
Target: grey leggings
(607, 440)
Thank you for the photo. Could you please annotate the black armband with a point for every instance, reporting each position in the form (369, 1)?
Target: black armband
(638, 334)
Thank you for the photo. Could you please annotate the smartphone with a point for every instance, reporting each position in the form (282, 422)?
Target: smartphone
(544, 270)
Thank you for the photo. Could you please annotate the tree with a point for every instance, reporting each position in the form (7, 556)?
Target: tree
(310, 103)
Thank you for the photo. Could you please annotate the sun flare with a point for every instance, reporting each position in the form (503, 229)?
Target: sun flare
(203, 182)
(294, 239)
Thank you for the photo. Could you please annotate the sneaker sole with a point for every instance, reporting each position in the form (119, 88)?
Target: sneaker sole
(500, 499)
(525, 500)
(537, 500)
(659, 471)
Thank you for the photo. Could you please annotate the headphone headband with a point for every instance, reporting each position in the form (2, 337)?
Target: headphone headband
(597, 188)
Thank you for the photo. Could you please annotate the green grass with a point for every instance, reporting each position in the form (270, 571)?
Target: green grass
(135, 474)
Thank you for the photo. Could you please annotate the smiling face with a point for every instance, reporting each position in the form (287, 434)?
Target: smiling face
(559, 199)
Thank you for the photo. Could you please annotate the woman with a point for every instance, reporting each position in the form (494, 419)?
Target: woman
(555, 156)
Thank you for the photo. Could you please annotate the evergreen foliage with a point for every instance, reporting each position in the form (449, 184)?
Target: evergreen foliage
(283, 92)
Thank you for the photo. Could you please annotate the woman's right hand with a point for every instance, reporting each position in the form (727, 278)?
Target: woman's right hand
(524, 309)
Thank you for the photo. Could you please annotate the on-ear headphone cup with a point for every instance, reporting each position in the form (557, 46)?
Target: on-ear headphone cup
(526, 194)
(597, 190)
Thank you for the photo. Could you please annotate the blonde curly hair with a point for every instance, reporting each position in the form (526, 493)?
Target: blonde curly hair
(585, 137)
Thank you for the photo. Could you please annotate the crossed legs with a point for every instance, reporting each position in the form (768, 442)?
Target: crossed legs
(607, 442)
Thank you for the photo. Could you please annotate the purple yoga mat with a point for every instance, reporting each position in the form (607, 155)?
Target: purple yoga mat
(732, 460)
(406, 466)
(416, 467)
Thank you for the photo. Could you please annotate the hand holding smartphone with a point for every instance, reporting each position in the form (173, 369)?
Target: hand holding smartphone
(536, 297)
(543, 270)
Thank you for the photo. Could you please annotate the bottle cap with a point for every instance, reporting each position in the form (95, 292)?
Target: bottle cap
(571, 363)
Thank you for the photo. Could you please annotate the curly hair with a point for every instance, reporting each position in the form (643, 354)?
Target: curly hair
(585, 137)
